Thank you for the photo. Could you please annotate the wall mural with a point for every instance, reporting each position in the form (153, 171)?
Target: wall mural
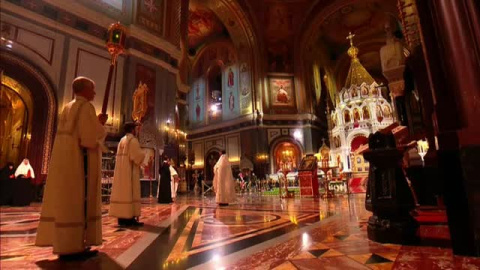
(203, 25)
(150, 14)
(279, 33)
(197, 101)
(245, 89)
(236, 82)
(282, 92)
(231, 108)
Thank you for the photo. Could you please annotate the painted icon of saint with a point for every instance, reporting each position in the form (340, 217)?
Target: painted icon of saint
(197, 111)
(231, 102)
(282, 95)
(231, 81)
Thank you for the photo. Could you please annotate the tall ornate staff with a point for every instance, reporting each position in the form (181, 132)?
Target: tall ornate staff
(116, 38)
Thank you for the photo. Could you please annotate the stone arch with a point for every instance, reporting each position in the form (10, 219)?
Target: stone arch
(239, 26)
(44, 112)
(208, 167)
(202, 57)
(356, 133)
(280, 140)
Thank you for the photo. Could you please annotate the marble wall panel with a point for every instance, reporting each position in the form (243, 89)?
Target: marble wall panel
(38, 45)
(94, 63)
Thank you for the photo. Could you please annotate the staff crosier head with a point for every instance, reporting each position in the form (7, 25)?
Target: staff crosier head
(116, 39)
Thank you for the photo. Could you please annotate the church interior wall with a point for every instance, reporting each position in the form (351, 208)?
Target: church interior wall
(21, 76)
(161, 100)
(235, 97)
(39, 45)
(64, 39)
(93, 62)
(231, 143)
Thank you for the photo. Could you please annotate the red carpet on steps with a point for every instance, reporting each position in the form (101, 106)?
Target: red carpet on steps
(431, 216)
(433, 230)
(358, 185)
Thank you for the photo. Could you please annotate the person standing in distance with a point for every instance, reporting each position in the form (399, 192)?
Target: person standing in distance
(125, 198)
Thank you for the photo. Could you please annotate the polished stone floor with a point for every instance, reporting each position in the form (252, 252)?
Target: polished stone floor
(258, 232)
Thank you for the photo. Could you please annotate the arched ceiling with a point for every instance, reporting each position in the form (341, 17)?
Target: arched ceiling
(278, 22)
(327, 33)
(306, 27)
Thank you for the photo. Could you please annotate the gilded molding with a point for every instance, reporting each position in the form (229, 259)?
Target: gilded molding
(48, 140)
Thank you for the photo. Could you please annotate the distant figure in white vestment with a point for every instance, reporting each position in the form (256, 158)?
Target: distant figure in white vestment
(223, 183)
(71, 218)
(174, 180)
(125, 197)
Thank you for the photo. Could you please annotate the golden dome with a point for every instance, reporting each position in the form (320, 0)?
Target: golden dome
(353, 52)
(357, 74)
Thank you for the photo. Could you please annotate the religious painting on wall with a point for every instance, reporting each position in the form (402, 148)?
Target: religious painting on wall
(231, 108)
(279, 38)
(147, 171)
(245, 89)
(150, 14)
(197, 101)
(145, 77)
(281, 91)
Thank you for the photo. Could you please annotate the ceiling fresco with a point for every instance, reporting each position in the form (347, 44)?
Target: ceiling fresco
(203, 26)
(278, 24)
(364, 19)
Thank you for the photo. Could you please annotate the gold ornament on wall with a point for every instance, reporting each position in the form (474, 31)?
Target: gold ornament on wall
(140, 104)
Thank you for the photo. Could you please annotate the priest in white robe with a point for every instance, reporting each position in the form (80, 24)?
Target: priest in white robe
(125, 197)
(71, 218)
(174, 180)
(25, 170)
(223, 182)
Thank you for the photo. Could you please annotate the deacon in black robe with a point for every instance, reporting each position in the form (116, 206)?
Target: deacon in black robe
(164, 192)
(7, 178)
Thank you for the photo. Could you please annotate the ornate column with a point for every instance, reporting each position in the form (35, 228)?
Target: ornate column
(393, 66)
(451, 44)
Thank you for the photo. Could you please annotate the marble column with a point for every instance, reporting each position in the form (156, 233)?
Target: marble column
(451, 41)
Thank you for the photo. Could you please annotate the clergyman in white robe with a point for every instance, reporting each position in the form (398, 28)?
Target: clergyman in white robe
(65, 224)
(223, 182)
(25, 170)
(174, 181)
(125, 197)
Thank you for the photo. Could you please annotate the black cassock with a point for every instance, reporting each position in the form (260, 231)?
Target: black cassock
(7, 178)
(165, 192)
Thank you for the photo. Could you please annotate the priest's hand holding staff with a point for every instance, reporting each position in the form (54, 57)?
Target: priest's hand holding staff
(102, 118)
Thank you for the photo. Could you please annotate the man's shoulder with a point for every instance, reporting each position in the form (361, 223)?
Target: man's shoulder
(129, 138)
(81, 102)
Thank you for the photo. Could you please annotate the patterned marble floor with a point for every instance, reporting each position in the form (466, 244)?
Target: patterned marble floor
(255, 233)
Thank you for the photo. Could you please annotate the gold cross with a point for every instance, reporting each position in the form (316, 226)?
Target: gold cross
(350, 36)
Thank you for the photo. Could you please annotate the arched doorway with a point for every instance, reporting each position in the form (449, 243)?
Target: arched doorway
(210, 160)
(357, 142)
(16, 108)
(286, 156)
(214, 85)
(359, 164)
(17, 73)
